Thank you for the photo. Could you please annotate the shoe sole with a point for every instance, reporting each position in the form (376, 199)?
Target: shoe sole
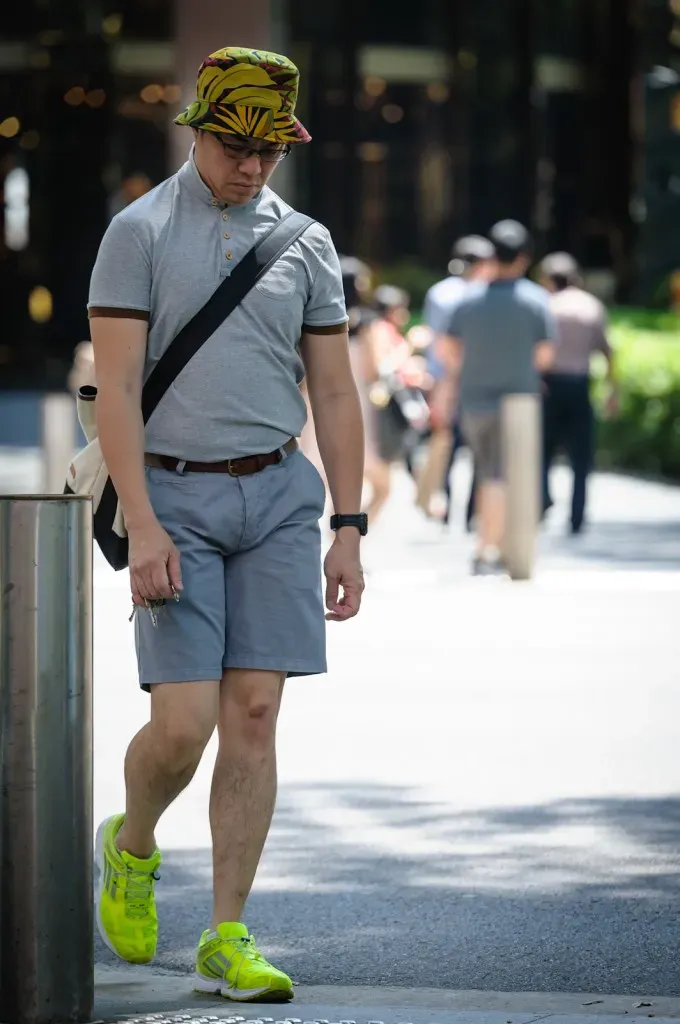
(99, 863)
(214, 987)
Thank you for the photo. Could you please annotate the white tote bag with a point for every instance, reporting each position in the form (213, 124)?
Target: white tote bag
(87, 474)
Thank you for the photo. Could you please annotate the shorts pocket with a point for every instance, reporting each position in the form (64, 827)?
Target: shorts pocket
(156, 476)
(316, 487)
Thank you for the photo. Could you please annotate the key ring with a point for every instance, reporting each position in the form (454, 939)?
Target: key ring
(153, 606)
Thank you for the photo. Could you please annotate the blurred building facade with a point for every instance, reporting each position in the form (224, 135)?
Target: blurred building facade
(428, 121)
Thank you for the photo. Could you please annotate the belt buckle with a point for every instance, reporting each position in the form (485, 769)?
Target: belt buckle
(230, 468)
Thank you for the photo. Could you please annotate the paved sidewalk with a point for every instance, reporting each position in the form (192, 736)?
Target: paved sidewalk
(133, 992)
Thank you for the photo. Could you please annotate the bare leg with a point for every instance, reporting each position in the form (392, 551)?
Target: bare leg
(378, 474)
(431, 477)
(491, 516)
(163, 756)
(243, 791)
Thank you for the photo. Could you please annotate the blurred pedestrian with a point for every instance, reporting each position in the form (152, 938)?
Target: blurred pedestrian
(501, 334)
(398, 410)
(356, 283)
(82, 368)
(568, 419)
(472, 260)
(221, 508)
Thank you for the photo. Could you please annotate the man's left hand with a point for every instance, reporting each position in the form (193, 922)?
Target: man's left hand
(344, 573)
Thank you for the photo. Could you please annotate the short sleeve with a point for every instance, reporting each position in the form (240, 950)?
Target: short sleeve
(325, 306)
(600, 341)
(452, 324)
(429, 309)
(545, 324)
(120, 285)
(435, 314)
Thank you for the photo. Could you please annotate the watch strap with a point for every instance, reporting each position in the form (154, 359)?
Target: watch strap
(359, 520)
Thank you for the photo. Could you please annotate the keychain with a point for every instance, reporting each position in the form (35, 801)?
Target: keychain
(153, 606)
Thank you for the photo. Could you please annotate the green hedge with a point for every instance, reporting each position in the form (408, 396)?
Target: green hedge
(645, 435)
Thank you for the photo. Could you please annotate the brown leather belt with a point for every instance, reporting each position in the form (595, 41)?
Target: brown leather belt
(244, 466)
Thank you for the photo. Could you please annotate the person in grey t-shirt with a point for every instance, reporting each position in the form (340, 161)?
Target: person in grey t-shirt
(222, 508)
(502, 333)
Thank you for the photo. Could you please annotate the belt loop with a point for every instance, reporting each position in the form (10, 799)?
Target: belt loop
(283, 452)
(179, 468)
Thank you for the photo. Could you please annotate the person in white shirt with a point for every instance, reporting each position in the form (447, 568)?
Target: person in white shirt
(472, 261)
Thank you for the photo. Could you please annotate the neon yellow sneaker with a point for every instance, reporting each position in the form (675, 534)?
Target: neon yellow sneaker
(125, 906)
(228, 964)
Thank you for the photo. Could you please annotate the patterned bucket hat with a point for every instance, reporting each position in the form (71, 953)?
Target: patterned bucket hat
(247, 92)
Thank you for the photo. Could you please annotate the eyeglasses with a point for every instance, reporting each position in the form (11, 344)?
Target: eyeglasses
(268, 154)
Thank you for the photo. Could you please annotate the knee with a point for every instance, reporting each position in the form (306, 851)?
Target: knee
(182, 742)
(252, 709)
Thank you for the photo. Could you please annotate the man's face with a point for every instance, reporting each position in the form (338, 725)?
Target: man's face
(234, 167)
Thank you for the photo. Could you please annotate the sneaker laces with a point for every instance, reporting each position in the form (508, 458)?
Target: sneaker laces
(245, 946)
(138, 891)
(248, 947)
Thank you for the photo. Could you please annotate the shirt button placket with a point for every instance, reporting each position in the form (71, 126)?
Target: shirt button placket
(228, 254)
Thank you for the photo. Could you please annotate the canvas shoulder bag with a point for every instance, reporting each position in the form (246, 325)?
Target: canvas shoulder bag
(87, 474)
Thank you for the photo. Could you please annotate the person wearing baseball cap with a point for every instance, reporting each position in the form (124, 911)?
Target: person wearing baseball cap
(502, 334)
(220, 505)
(472, 259)
(568, 416)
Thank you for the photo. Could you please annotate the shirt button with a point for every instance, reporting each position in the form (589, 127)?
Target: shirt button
(227, 235)
(216, 202)
(225, 216)
(227, 255)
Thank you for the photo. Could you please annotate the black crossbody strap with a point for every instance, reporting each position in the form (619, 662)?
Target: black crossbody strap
(220, 305)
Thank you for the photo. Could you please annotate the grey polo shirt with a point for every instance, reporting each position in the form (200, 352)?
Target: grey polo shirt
(161, 259)
(500, 325)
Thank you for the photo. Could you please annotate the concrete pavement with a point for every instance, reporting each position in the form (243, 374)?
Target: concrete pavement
(121, 998)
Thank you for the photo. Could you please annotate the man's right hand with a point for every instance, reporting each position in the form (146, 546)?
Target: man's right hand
(154, 564)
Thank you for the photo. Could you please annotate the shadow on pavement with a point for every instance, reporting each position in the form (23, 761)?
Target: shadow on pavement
(366, 885)
(638, 545)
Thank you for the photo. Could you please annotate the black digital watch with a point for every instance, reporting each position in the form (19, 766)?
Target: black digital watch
(360, 520)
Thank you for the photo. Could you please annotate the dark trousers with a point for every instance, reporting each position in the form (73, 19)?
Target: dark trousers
(568, 424)
(458, 443)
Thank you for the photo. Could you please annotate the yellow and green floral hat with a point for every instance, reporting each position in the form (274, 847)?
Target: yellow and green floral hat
(247, 92)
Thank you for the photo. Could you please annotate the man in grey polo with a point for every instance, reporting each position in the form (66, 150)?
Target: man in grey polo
(502, 333)
(220, 505)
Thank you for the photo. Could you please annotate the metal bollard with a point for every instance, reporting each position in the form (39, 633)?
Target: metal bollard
(46, 924)
(59, 439)
(521, 433)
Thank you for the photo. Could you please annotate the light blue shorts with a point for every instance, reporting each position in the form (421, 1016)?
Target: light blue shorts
(250, 550)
